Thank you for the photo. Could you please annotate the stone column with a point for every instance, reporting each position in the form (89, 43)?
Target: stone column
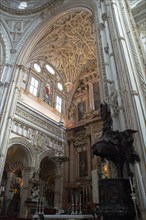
(58, 197)
(66, 165)
(7, 120)
(133, 76)
(116, 100)
(57, 192)
(107, 63)
(91, 98)
(88, 139)
(25, 191)
(71, 161)
(131, 62)
(8, 193)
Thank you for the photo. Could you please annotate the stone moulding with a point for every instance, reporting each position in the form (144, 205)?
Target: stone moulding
(51, 5)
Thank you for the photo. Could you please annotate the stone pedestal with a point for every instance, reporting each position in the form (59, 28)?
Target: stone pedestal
(31, 206)
(115, 201)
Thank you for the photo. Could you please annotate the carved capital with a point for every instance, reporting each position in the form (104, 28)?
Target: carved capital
(104, 17)
(106, 49)
(101, 26)
(13, 51)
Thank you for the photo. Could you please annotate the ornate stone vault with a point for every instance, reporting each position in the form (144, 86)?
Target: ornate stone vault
(69, 45)
(33, 6)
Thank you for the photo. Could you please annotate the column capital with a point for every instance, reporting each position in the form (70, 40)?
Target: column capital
(101, 26)
(104, 17)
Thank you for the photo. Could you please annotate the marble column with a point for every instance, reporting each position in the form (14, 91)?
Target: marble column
(24, 194)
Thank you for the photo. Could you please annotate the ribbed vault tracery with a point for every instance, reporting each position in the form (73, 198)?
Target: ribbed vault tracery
(68, 45)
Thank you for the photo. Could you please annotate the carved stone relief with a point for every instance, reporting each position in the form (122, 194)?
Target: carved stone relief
(16, 28)
(80, 141)
(71, 41)
(37, 121)
(38, 139)
(2, 55)
(113, 101)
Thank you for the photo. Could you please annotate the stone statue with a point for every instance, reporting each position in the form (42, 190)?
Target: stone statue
(115, 146)
(35, 193)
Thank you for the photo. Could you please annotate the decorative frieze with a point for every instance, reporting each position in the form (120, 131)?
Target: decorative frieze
(37, 139)
(80, 141)
(37, 121)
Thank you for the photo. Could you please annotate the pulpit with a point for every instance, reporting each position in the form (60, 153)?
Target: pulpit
(115, 200)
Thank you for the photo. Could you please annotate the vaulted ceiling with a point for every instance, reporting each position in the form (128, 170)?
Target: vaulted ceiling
(68, 45)
(69, 42)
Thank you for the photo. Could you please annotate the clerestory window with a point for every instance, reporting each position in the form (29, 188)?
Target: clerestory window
(37, 67)
(34, 86)
(50, 69)
(58, 104)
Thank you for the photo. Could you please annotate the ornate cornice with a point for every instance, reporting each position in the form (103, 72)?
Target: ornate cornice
(36, 119)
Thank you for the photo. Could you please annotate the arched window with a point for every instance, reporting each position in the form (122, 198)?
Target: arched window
(59, 103)
(60, 86)
(37, 67)
(50, 69)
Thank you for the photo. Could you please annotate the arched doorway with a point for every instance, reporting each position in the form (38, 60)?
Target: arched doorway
(13, 179)
(47, 175)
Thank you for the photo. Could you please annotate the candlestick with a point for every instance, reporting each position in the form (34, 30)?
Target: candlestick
(36, 212)
(76, 203)
(72, 205)
(80, 205)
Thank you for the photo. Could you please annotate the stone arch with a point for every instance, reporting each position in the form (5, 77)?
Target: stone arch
(26, 146)
(42, 28)
(45, 154)
(6, 41)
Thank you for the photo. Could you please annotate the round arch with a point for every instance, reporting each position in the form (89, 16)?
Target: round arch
(25, 146)
(46, 153)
